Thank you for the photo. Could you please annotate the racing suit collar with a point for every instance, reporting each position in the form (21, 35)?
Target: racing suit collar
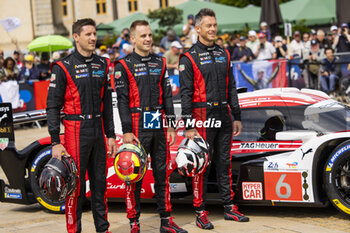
(82, 58)
(141, 58)
(203, 46)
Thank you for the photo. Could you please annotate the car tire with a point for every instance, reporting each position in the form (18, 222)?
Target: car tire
(337, 177)
(36, 168)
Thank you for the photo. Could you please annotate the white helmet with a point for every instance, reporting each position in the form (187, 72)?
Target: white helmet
(192, 156)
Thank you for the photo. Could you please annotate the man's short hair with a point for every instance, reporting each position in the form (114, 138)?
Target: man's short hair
(329, 48)
(137, 23)
(80, 23)
(203, 12)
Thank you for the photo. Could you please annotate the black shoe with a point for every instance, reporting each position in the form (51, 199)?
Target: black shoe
(202, 220)
(168, 225)
(231, 213)
(135, 226)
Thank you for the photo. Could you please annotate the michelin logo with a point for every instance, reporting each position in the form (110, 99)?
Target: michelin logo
(335, 156)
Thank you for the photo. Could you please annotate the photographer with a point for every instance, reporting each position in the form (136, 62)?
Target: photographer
(124, 38)
(264, 50)
(342, 39)
(281, 49)
(313, 58)
(296, 47)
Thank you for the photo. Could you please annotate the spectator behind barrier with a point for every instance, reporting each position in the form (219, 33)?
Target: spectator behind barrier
(103, 51)
(189, 32)
(220, 42)
(242, 52)
(281, 49)
(252, 40)
(342, 39)
(9, 71)
(172, 56)
(124, 38)
(330, 72)
(29, 71)
(166, 40)
(296, 47)
(265, 49)
(16, 57)
(312, 59)
(306, 41)
(44, 67)
(232, 44)
(265, 30)
(323, 42)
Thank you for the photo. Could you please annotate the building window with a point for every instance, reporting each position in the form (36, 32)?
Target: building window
(101, 7)
(132, 5)
(163, 3)
(64, 7)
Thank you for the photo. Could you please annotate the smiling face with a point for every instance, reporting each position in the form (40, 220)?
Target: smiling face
(141, 37)
(207, 30)
(86, 40)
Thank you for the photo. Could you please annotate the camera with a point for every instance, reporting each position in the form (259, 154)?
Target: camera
(126, 35)
(262, 45)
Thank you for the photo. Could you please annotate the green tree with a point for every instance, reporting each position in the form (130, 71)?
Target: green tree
(167, 17)
(244, 3)
(301, 27)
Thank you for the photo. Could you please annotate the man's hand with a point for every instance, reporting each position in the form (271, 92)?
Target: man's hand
(112, 148)
(191, 133)
(129, 138)
(171, 136)
(244, 58)
(237, 128)
(59, 150)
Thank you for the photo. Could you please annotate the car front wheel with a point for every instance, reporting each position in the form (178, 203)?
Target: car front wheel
(337, 177)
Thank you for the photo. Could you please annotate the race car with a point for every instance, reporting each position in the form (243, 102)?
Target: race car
(294, 150)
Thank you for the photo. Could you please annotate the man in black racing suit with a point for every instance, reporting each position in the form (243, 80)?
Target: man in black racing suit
(79, 85)
(144, 102)
(208, 93)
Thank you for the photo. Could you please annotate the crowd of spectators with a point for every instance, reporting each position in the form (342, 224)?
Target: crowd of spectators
(315, 50)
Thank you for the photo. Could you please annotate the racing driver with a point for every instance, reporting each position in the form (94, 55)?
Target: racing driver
(208, 92)
(79, 85)
(144, 101)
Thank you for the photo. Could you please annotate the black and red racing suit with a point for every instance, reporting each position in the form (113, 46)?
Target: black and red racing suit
(208, 92)
(143, 89)
(79, 85)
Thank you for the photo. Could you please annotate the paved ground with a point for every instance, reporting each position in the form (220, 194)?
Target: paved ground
(23, 219)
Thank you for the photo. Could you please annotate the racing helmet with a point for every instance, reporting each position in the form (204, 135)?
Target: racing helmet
(272, 126)
(192, 156)
(58, 178)
(131, 161)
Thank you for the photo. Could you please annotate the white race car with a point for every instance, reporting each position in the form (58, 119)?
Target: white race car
(294, 150)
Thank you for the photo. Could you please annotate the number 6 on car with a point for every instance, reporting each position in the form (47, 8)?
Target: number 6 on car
(286, 186)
